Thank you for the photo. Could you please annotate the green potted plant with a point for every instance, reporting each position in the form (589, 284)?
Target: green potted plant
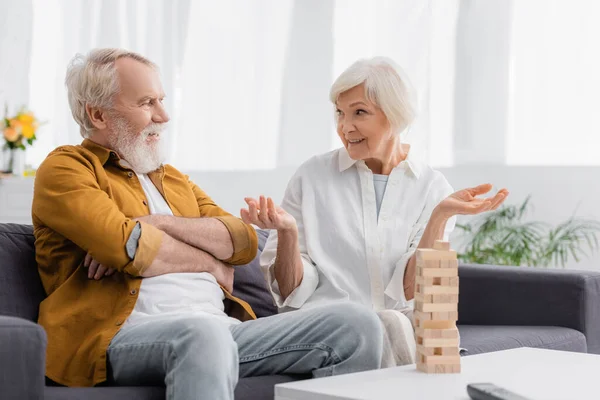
(502, 237)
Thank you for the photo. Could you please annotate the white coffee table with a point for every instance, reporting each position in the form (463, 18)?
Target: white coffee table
(534, 373)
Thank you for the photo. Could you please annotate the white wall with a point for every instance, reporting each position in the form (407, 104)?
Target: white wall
(557, 192)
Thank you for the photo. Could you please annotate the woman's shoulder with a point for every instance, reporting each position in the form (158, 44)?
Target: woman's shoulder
(426, 173)
(321, 164)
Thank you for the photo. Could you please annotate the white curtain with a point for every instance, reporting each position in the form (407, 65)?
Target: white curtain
(247, 81)
(230, 88)
(419, 36)
(62, 28)
(555, 82)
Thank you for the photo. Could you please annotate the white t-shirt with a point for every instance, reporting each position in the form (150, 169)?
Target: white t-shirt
(348, 251)
(380, 182)
(176, 293)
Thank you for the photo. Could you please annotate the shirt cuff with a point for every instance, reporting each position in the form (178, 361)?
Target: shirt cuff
(395, 289)
(301, 294)
(148, 245)
(132, 243)
(244, 239)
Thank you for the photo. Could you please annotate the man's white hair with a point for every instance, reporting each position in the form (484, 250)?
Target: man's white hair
(93, 80)
(385, 86)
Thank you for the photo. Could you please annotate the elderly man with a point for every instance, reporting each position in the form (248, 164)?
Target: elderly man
(137, 260)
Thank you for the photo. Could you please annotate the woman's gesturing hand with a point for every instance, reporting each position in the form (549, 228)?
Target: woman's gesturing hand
(466, 202)
(266, 215)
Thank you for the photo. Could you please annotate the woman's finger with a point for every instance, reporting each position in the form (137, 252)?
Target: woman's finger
(499, 202)
(245, 216)
(253, 212)
(110, 271)
(271, 210)
(264, 212)
(481, 189)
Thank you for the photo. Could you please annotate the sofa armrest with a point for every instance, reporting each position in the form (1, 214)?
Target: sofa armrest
(498, 295)
(22, 358)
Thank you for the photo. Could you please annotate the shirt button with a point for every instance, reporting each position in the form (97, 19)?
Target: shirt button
(130, 174)
(133, 291)
(145, 202)
(119, 323)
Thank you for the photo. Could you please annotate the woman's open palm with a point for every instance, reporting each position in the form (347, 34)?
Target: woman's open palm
(466, 202)
(266, 215)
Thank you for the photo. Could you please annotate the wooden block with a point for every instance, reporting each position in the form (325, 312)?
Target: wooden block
(427, 320)
(441, 245)
(444, 316)
(431, 342)
(437, 272)
(436, 351)
(443, 298)
(451, 333)
(442, 359)
(430, 289)
(435, 307)
(421, 316)
(436, 298)
(424, 351)
(430, 263)
(439, 368)
(448, 263)
(448, 351)
(424, 298)
(430, 324)
(431, 254)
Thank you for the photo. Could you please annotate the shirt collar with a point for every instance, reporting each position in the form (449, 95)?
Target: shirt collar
(99, 151)
(410, 163)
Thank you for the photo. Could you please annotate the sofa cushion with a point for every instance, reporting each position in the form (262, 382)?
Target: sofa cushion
(249, 283)
(21, 289)
(486, 338)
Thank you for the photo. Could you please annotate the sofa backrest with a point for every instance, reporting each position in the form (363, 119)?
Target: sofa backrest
(21, 289)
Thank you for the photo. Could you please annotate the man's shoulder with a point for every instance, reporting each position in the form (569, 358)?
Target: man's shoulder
(171, 170)
(70, 156)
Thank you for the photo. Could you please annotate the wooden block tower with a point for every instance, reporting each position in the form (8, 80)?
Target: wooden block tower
(436, 309)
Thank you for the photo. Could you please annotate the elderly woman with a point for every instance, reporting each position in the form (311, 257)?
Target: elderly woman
(351, 219)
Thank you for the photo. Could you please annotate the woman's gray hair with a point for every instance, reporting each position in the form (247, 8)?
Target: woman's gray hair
(93, 80)
(385, 86)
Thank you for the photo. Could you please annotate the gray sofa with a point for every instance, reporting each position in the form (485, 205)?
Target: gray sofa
(499, 308)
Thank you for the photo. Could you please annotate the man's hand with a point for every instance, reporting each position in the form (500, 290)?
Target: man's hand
(223, 273)
(96, 270)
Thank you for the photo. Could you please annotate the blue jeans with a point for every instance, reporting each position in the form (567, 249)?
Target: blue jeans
(201, 357)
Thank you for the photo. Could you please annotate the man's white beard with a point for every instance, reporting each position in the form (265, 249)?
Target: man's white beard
(143, 157)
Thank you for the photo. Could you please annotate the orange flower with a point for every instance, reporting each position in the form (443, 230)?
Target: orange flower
(15, 123)
(11, 134)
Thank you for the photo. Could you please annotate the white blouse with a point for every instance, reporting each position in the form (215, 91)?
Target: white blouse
(349, 253)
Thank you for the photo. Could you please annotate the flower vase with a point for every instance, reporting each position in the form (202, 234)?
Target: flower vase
(14, 162)
(18, 162)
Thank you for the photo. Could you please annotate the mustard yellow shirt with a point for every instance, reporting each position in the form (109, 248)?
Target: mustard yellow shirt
(85, 201)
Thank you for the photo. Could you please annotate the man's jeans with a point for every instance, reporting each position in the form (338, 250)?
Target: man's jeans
(201, 357)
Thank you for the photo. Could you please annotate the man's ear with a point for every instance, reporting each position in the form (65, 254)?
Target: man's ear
(97, 116)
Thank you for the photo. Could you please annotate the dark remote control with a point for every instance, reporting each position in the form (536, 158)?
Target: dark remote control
(489, 391)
